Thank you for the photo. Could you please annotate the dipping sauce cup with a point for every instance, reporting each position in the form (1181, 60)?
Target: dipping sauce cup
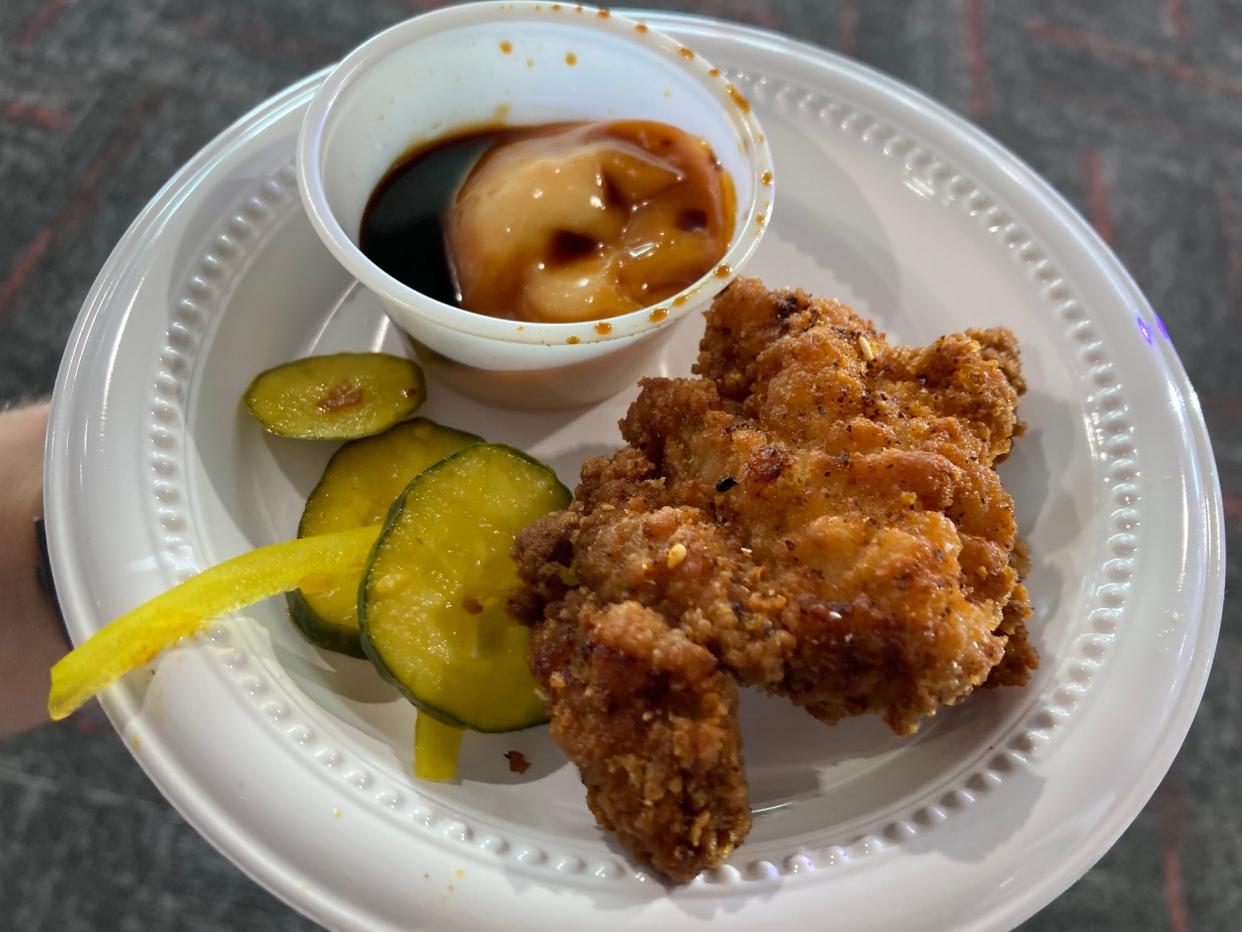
(521, 64)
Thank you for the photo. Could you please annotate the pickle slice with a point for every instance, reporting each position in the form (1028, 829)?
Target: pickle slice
(357, 488)
(433, 601)
(338, 397)
(136, 637)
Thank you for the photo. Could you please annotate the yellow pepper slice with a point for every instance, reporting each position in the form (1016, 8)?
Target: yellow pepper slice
(136, 637)
(436, 746)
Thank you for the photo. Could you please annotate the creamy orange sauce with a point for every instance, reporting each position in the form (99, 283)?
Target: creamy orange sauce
(579, 222)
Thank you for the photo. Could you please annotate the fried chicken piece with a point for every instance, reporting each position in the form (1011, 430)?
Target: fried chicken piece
(819, 511)
(652, 721)
(1020, 654)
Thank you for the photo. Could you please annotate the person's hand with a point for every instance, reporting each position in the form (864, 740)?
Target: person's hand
(31, 638)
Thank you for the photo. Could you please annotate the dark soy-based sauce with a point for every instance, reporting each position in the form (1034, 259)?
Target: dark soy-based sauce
(403, 224)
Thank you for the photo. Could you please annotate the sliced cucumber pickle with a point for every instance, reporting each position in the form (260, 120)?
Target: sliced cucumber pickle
(358, 486)
(338, 397)
(433, 600)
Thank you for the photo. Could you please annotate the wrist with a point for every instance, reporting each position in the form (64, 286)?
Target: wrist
(31, 639)
(21, 494)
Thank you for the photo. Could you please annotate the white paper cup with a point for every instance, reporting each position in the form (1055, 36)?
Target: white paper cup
(520, 63)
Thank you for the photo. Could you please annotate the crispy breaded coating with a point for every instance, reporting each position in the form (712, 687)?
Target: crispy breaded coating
(818, 511)
(652, 721)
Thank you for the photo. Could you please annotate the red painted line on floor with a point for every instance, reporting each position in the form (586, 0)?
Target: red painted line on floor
(976, 57)
(1222, 406)
(1175, 13)
(1232, 505)
(26, 261)
(41, 21)
(1174, 893)
(22, 112)
(847, 27)
(82, 200)
(1149, 61)
(1170, 805)
(1097, 196)
(115, 148)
